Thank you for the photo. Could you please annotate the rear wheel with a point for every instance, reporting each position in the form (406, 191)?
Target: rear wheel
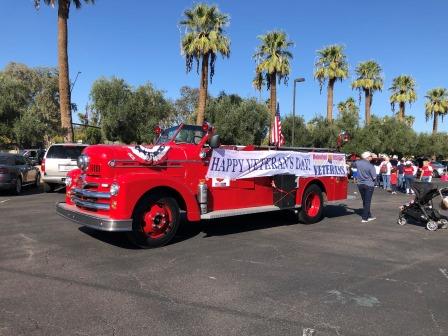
(49, 187)
(312, 205)
(37, 181)
(17, 189)
(155, 221)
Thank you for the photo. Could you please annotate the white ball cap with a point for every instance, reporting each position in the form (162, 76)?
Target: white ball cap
(366, 154)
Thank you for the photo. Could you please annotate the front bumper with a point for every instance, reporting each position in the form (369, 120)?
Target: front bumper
(54, 179)
(97, 222)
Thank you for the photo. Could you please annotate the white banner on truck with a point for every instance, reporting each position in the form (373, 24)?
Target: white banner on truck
(234, 164)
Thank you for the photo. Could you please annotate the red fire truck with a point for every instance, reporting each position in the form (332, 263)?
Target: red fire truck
(142, 190)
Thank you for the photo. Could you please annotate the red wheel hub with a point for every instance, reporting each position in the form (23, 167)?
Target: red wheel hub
(312, 204)
(157, 221)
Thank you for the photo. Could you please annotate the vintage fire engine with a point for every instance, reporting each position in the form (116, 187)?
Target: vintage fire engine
(142, 190)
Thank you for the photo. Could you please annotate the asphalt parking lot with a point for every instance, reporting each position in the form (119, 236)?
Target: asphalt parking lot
(251, 275)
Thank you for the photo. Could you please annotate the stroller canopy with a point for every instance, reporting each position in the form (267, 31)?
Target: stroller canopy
(424, 191)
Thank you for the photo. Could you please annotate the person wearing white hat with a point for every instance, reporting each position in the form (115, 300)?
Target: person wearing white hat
(366, 178)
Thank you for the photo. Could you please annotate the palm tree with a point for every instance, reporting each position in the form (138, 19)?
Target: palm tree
(204, 38)
(369, 80)
(436, 105)
(403, 91)
(64, 80)
(272, 57)
(348, 107)
(331, 65)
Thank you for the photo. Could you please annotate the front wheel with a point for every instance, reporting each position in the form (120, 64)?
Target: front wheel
(155, 221)
(312, 205)
(432, 226)
(402, 220)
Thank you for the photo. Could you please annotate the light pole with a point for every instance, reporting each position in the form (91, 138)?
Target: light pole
(294, 107)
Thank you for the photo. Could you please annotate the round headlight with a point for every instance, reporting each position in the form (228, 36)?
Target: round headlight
(68, 181)
(114, 189)
(83, 162)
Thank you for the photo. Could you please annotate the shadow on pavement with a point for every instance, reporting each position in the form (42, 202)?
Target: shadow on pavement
(222, 226)
(117, 239)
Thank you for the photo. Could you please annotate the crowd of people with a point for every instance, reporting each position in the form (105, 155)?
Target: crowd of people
(393, 174)
(390, 173)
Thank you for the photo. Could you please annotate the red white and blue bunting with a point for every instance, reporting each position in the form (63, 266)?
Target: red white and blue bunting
(152, 155)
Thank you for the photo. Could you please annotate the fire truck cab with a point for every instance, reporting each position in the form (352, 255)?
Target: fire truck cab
(142, 190)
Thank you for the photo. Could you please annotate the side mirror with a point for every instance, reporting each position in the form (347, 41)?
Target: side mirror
(215, 142)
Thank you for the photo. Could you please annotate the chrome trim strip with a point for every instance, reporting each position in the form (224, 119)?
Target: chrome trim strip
(96, 222)
(90, 194)
(90, 205)
(239, 212)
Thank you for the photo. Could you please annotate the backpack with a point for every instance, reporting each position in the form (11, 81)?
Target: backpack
(383, 168)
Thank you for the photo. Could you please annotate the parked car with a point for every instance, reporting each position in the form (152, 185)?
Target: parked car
(34, 155)
(58, 161)
(17, 171)
(438, 168)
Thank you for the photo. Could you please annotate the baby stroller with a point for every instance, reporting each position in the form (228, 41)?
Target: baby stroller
(430, 206)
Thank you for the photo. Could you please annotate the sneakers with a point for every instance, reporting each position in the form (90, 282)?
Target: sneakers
(364, 221)
(368, 220)
(394, 192)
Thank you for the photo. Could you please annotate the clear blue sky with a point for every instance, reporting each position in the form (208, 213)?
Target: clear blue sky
(139, 41)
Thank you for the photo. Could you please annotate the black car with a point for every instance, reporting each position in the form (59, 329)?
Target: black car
(17, 171)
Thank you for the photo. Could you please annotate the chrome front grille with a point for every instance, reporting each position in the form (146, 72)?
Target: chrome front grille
(90, 199)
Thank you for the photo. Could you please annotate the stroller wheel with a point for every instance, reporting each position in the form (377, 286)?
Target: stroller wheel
(432, 226)
(443, 224)
(402, 220)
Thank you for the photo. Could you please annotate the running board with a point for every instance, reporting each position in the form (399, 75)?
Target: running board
(238, 212)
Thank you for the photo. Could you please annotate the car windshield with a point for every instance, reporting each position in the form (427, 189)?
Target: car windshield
(65, 152)
(189, 134)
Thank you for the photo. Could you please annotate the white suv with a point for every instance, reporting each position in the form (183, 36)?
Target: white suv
(59, 159)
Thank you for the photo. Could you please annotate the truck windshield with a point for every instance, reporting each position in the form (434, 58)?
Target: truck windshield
(188, 134)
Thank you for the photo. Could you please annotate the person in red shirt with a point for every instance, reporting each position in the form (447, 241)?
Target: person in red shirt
(426, 172)
(394, 180)
(408, 172)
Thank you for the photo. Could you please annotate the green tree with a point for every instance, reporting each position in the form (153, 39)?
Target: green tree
(13, 102)
(185, 107)
(238, 121)
(302, 137)
(204, 38)
(331, 65)
(368, 79)
(64, 78)
(348, 118)
(31, 90)
(402, 92)
(436, 105)
(28, 130)
(127, 114)
(323, 133)
(272, 57)
(386, 135)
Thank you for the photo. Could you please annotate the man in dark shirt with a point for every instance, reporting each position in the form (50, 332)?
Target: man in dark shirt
(366, 179)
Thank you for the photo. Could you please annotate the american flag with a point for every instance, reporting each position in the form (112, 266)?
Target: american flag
(277, 138)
